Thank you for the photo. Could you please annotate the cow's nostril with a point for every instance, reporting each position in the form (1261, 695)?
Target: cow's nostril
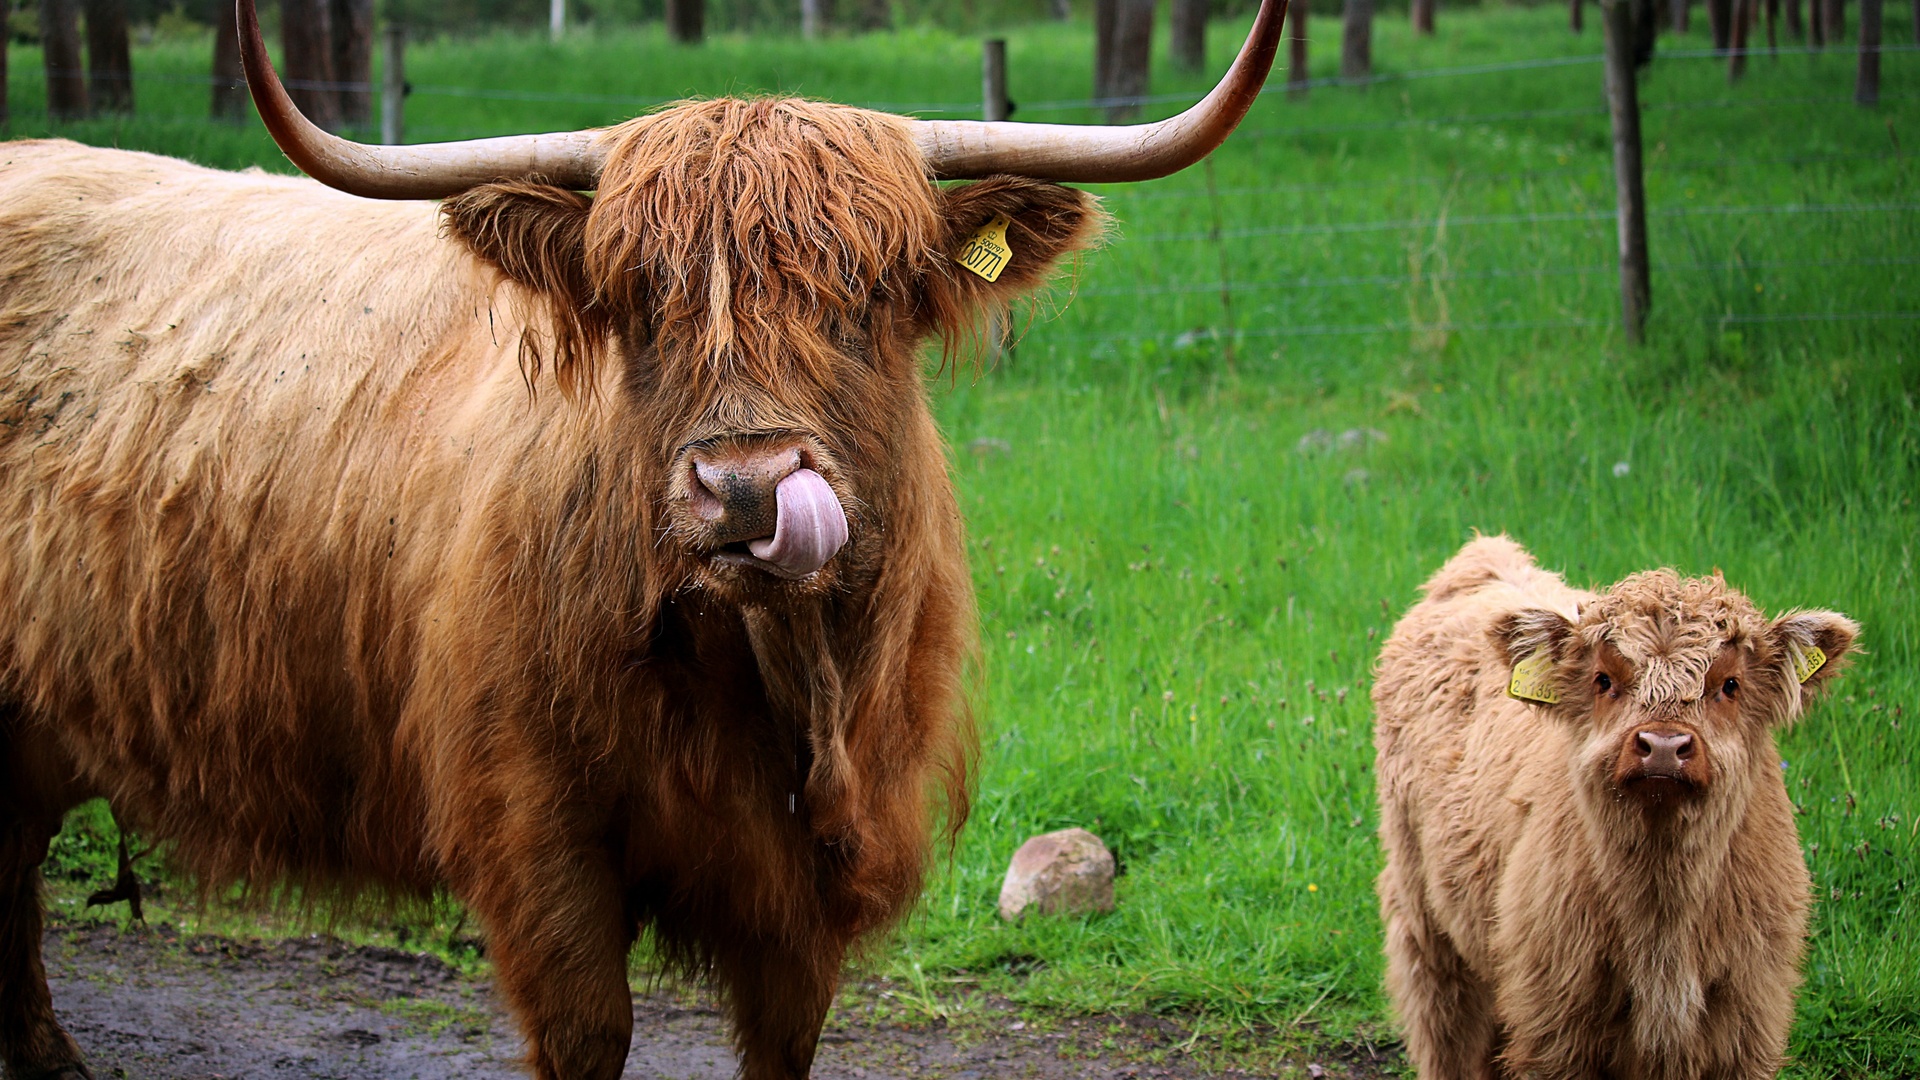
(1640, 744)
(1683, 746)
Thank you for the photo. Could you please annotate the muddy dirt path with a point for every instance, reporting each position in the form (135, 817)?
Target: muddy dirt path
(148, 1005)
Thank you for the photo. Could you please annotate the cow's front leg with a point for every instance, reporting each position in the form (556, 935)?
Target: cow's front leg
(778, 993)
(558, 935)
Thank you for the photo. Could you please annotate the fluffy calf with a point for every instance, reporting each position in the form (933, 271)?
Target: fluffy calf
(1592, 869)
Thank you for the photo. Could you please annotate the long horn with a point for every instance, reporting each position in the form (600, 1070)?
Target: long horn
(965, 149)
(428, 171)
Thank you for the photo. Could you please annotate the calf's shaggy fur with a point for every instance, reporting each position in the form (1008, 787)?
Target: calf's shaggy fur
(1608, 885)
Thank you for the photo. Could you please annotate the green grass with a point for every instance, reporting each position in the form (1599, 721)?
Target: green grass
(1182, 586)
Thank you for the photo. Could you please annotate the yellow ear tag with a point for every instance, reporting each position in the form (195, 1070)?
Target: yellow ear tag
(987, 252)
(1808, 661)
(1533, 680)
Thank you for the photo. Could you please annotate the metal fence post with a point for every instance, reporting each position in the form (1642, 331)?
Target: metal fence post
(393, 84)
(1630, 192)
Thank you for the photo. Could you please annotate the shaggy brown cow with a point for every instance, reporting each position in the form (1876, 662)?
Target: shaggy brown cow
(1592, 869)
(303, 573)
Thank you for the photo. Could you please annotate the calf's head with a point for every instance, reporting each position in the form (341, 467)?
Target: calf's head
(1674, 687)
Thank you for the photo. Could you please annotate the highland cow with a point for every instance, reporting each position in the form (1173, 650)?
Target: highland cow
(1592, 868)
(592, 559)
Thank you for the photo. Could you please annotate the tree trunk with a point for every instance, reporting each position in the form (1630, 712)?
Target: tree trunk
(1189, 33)
(1422, 11)
(1576, 19)
(1796, 27)
(1297, 51)
(1866, 83)
(687, 21)
(109, 59)
(1678, 10)
(1720, 23)
(306, 29)
(1106, 14)
(1835, 20)
(1737, 53)
(60, 42)
(1131, 66)
(229, 82)
(1773, 25)
(1646, 31)
(1062, 10)
(6, 35)
(874, 15)
(353, 58)
(1356, 40)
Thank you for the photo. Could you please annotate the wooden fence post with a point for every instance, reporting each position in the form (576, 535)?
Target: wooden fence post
(1630, 195)
(994, 106)
(1866, 83)
(393, 84)
(1297, 51)
(1356, 40)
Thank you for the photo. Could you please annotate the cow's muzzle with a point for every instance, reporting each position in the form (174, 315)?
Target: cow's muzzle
(1662, 761)
(765, 509)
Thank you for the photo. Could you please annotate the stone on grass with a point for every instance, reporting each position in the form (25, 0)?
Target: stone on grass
(1065, 872)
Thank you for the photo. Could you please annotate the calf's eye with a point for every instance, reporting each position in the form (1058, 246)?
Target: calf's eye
(1602, 683)
(1730, 687)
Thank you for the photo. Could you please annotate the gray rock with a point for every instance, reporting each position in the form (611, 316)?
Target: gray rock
(1065, 872)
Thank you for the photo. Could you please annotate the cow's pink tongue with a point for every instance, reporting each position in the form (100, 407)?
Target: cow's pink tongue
(811, 526)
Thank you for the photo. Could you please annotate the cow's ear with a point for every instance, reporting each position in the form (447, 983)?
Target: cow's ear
(1002, 237)
(1538, 645)
(535, 235)
(1811, 647)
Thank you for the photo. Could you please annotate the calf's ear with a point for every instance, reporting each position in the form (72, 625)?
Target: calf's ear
(1538, 644)
(535, 235)
(1813, 647)
(1001, 238)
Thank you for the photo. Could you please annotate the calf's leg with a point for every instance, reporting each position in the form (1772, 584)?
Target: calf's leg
(32, 1043)
(1445, 1010)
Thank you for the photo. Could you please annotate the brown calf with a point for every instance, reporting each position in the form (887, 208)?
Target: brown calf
(1592, 868)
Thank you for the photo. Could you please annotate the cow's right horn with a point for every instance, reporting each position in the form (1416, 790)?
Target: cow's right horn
(429, 171)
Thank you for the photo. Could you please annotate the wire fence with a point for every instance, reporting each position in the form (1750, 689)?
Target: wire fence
(1132, 290)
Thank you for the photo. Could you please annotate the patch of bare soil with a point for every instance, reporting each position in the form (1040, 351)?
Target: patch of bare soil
(151, 1005)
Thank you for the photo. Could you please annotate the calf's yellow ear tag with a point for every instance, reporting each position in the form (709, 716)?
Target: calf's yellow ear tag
(1533, 680)
(987, 252)
(1807, 661)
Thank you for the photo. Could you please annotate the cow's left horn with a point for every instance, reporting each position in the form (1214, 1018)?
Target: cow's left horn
(1087, 154)
(429, 171)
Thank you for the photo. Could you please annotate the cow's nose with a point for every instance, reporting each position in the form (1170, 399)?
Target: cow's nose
(734, 490)
(1663, 751)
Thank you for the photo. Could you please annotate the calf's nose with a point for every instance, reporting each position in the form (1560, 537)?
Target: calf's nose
(735, 490)
(1663, 752)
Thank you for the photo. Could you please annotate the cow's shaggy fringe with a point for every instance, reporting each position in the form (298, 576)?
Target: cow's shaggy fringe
(296, 573)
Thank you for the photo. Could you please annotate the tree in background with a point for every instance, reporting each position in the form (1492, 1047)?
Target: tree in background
(306, 37)
(60, 44)
(687, 21)
(1576, 19)
(1356, 40)
(874, 15)
(1188, 33)
(352, 27)
(6, 35)
(1677, 10)
(229, 81)
(109, 58)
(1720, 23)
(1834, 19)
(1122, 64)
(1422, 12)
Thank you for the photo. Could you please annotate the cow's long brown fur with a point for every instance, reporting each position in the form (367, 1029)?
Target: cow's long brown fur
(1542, 918)
(296, 571)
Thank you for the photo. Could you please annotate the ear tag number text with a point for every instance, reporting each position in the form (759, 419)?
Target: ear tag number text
(987, 252)
(1533, 680)
(1807, 661)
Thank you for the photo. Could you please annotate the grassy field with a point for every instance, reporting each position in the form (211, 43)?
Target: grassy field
(1201, 492)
